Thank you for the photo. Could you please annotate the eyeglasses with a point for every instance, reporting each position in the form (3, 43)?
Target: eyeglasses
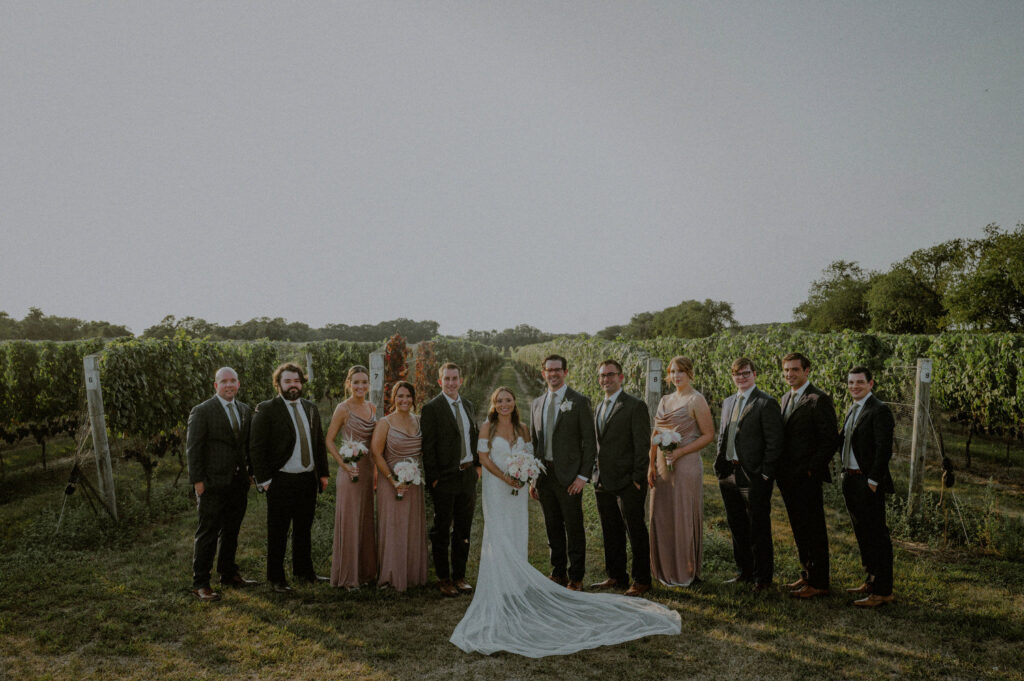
(743, 374)
(609, 374)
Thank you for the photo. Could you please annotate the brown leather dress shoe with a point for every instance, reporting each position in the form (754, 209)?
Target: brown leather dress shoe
(575, 585)
(281, 587)
(237, 581)
(447, 588)
(560, 581)
(864, 588)
(873, 601)
(463, 586)
(637, 589)
(205, 593)
(798, 584)
(610, 583)
(808, 591)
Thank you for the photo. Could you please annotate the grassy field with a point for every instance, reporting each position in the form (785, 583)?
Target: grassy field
(95, 602)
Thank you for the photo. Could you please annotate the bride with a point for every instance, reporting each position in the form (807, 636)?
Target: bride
(516, 608)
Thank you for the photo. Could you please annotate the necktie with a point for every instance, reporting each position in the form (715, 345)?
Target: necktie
(303, 440)
(791, 405)
(549, 426)
(737, 409)
(462, 429)
(848, 440)
(604, 412)
(234, 418)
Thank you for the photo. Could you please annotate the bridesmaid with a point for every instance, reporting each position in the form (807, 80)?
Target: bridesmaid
(401, 523)
(354, 556)
(677, 497)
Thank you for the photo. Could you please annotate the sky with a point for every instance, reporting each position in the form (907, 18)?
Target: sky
(487, 164)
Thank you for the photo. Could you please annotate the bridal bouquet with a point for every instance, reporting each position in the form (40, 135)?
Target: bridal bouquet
(408, 473)
(522, 466)
(667, 440)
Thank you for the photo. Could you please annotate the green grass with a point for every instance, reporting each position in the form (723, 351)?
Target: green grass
(96, 602)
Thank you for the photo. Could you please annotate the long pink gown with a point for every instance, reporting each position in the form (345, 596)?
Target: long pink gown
(354, 555)
(401, 523)
(677, 504)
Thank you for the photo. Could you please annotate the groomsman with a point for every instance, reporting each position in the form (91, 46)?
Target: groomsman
(865, 444)
(217, 448)
(289, 456)
(562, 427)
(452, 468)
(620, 477)
(808, 443)
(749, 446)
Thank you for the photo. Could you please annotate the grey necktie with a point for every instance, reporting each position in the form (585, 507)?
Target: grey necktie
(549, 427)
(607, 407)
(730, 450)
(234, 419)
(462, 429)
(791, 405)
(848, 440)
(303, 440)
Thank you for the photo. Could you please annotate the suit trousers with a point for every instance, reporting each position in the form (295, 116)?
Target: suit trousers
(291, 501)
(806, 510)
(563, 520)
(622, 515)
(867, 514)
(221, 510)
(454, 504)
(748, 505)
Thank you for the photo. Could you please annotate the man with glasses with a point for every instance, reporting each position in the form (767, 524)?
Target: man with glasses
(749, 445)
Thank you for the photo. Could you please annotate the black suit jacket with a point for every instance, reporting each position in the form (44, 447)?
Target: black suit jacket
(272, 438)
(808, 436)
(214, 453)
(573, 441)
(441, 449)
(624, 444)
(758, 435)
(872, 442)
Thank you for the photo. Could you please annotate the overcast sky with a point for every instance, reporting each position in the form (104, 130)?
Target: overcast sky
(486, 164)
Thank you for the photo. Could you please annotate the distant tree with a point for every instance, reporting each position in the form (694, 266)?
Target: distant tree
(837, 301)
(611, 332)
(39, 326)
(990, 295)
(898, 302)
(693, 319)
(522, 334)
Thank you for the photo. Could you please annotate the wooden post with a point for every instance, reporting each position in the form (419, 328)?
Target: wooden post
(922, 429)
(309, 367)
(377, 378)
(652, 393)
(100, 446)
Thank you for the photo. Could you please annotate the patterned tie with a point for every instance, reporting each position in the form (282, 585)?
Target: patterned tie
(303, 440)
(549, 427)
(730, 450)
(234, 419)
(848, 440)
(462, 429)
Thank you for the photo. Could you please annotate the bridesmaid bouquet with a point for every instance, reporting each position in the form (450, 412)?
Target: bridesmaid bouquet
(408, 473)
(522, 466)
(351, 452)
(667, 440)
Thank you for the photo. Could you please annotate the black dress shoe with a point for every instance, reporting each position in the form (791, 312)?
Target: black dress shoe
(281, 587)
(237, 581)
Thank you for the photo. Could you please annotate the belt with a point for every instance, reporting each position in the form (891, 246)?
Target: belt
(853, 471)
(735, 464)
(464, 466)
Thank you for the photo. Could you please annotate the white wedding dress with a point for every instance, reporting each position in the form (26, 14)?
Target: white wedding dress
(517, 609)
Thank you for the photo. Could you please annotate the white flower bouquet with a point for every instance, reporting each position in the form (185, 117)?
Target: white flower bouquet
(667, 440)
(407, 473)
(523, 466)
(351, 452)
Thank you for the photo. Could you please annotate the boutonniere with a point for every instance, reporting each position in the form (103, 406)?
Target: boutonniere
(565, 406)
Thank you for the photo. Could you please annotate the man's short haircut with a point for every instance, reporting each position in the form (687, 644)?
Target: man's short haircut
(614, 363)
(861, 370)
(741, 364)
(805, 362)
(288, 366)
(446, 366)
(557, 358)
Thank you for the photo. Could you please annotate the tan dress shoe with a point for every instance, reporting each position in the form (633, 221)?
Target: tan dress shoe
(205, 593)
(873, 601)
(798, 584)
(560, 581)
(864, 588)
(637, 589)
(808, 591)
(463, 586)
(447, 588)
(574, 586)
(610, 583)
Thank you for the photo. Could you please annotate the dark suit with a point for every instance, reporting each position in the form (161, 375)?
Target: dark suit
(291, 497)
(454, 495)
(871, 445)
(574, 448)
(808, 443)
(220, 460)
(623, 447)
(746, 493)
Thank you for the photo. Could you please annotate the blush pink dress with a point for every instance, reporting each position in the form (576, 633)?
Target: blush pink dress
(354, 555)
(677, 504)
(401, 523)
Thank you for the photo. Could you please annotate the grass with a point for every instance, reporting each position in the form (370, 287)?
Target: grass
(96, 602)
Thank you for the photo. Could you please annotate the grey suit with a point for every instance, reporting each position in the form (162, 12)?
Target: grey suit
(574, 448)
(220, 460)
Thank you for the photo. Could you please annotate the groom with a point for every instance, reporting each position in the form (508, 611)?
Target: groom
(562, 426)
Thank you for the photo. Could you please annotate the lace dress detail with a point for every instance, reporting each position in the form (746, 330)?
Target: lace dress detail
(517, 609)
